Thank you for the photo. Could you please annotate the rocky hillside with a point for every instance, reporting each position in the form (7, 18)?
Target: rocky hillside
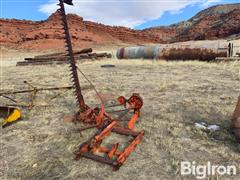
(213, 23)
(216, 10)
(48, 34)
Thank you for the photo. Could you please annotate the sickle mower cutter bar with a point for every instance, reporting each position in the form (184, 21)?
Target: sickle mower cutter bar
(98, 117)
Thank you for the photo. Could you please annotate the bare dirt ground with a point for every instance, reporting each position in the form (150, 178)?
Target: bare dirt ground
(176, 95)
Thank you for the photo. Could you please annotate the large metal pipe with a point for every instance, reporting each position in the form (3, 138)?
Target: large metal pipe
(137, 52)
(169, 52)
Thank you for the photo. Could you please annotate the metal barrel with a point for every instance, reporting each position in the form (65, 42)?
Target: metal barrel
(137, 52)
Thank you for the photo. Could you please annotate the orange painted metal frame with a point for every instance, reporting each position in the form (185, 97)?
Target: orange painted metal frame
(113, 156)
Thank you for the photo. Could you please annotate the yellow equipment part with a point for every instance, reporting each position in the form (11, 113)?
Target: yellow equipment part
(10, 115)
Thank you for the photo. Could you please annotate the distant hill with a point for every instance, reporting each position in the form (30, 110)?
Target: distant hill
(217, 10)
(213, 23)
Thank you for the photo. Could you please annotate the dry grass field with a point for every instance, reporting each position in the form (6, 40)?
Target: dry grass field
(176, 95)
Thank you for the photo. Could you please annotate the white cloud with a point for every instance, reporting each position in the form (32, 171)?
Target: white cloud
(209, 3)
(129, 13)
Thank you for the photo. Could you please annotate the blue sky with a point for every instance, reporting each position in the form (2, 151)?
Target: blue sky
(131, 13)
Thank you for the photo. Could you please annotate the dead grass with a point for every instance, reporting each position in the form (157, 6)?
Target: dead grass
(176, 95)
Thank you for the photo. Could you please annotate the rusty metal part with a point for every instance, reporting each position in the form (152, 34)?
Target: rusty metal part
(29, 105)
(53, 55)
(134, 102)
(68, 45)
(61, 59)
(98, 115)
(123, 156)
(235, 124)
(111, 156)
(43, 89)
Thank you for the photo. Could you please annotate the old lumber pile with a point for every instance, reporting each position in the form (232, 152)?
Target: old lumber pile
(61, 58)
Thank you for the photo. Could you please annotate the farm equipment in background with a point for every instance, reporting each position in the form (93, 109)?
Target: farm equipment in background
(235, 125)
(12, 112)
(98, 117)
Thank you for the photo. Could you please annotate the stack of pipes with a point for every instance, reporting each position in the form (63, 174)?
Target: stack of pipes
(61, 58)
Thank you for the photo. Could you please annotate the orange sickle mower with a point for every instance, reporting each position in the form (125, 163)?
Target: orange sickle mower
(99, 118)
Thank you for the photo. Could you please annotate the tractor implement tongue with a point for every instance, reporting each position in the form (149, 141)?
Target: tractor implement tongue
(98, 117)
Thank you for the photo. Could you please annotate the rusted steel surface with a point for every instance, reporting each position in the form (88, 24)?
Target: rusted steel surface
(41, 63)
(60, 54)
(63, 59)
(72, 62)
(48, 55)
(235, 125)
(111, 156)
(169, 52)
(84, 51)
(42, 89)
